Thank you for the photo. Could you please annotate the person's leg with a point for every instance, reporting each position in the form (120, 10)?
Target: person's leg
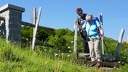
(85, 43)
(97, 48)
(92, 55)
(97, 52)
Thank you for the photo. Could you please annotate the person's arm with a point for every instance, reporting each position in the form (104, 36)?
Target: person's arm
(75, 21)
(84, 26)
(101, 32)
(79, 26)
(75, 24)
(100, 28)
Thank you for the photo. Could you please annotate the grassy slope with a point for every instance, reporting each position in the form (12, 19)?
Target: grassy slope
(15, 59)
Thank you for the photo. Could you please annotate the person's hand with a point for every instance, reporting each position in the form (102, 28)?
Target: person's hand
(75, 25)
(75, 21)
(102, 37)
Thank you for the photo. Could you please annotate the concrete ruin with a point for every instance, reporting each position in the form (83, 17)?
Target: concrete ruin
(11, 25)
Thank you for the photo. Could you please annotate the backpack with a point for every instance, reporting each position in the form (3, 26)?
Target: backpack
(96, 19)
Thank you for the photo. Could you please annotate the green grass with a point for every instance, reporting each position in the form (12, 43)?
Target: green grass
(16, 59)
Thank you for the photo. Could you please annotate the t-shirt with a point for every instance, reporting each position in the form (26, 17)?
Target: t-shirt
(81, 20)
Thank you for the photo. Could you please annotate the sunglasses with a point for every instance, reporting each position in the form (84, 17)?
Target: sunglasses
(80, 14)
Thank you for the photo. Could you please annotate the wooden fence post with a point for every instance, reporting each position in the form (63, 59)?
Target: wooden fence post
(119, 42)
(101, 20)
(35, 29)
(75, 38)
(33, 22)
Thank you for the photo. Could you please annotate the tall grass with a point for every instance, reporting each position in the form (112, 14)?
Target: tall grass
(16, 59)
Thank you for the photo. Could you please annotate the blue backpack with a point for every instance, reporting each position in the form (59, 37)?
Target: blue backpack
(95, 19)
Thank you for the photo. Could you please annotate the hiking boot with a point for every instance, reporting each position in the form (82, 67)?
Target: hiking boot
(98, 64)
(92, 64)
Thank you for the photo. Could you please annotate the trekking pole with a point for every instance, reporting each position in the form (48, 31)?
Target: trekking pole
(101, 20)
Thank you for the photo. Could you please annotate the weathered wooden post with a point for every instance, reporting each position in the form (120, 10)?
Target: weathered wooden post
(112, 60)
(75, 38)
(33, 22)
(13, 20)
(115, 57)
(101, 20)
(35, 29)
(119, 42)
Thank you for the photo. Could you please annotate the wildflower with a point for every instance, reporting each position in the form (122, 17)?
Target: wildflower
(69, 47)
(70, 51)
(119, 62)
(56, 54)
(68, 55)
(71, 41)
(60, 61)
(26, 38)
(62, 54)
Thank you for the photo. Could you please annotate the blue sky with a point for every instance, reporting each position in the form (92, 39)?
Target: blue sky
(61, 13)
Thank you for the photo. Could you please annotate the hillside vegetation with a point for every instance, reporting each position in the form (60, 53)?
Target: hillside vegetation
(16, 59)
(59, 58)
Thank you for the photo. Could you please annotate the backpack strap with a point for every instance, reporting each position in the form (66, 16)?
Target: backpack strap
(96, 19)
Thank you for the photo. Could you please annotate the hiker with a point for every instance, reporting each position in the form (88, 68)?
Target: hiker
(81, 19)
(94, 33)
